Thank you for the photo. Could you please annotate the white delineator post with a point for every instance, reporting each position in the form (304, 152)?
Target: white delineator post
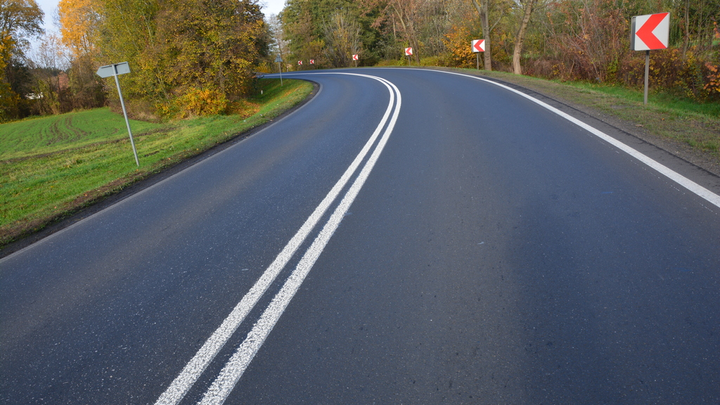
(279, 61)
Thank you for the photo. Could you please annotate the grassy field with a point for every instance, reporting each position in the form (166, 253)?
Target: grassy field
(53, 166)
(49, 134)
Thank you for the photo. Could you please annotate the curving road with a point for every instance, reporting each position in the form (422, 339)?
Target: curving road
(407, 236)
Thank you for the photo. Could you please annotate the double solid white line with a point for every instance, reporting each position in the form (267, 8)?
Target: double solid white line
(238, 363)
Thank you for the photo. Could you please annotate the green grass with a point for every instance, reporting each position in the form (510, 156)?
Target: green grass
(680, 105)
(51, 167)
(49, 134)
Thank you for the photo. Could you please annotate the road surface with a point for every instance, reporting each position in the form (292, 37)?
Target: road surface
(407, 236)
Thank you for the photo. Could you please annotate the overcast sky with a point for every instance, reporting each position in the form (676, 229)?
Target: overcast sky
(49, 6)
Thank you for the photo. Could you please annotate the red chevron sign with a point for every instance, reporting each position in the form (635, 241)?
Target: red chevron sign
(478, 45)
(650, 31)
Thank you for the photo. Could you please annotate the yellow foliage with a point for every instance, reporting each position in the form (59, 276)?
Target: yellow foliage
(195, 103)
(713, 78)
(459, 42)
(78, 20)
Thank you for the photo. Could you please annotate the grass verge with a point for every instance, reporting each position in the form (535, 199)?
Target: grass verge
(51, 167)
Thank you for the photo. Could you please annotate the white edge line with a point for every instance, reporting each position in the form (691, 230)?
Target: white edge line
(238, 363)
(659, 167)
(197, 365)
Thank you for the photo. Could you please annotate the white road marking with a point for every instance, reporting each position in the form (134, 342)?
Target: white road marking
(660, 168)
(238, 363)
(197, 365)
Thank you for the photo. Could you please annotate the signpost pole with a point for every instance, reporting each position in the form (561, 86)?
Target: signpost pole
(122, 103)
(647, 74)
(477, 63)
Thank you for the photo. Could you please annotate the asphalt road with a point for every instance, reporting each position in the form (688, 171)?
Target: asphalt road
(436, 239)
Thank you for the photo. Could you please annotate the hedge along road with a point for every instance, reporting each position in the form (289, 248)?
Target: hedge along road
(497, 253)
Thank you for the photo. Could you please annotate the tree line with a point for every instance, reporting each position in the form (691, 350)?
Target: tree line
(188, 57)
(195, 57)
(560, 39)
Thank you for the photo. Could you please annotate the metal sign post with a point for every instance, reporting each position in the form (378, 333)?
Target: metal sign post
(115, 70)
(279, 60)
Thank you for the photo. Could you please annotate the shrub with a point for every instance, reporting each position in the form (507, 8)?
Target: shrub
(194, 103)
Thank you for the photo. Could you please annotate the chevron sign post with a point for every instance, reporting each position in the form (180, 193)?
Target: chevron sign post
(649, 32)
(478, 45)
(408, 53)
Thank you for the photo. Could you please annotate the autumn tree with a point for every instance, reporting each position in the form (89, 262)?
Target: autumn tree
(210, 44)
(404, 15)
(278, 42)
(483, 10)
(19, 20)
(180, 51)
(127, 31)
(527, 9)
(342, 38)
(307, 25)
(79, 20)
(51, 82)
(698, 21)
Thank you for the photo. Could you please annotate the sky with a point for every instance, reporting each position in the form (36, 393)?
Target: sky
(49, 6)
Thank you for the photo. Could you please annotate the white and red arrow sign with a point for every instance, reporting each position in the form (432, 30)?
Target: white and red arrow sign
(299, 62)
(408, 51)
(312, 61)
(356, 57)
(478, 45)
(650, 31)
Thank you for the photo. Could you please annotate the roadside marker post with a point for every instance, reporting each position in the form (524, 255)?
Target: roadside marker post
(408, 52)
(355, 58)
(478, 45)
(279, 61)
(649, 32)
(115, 70)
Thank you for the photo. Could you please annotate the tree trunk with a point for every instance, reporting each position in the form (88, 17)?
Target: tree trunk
(482, 9)
(520, 38)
